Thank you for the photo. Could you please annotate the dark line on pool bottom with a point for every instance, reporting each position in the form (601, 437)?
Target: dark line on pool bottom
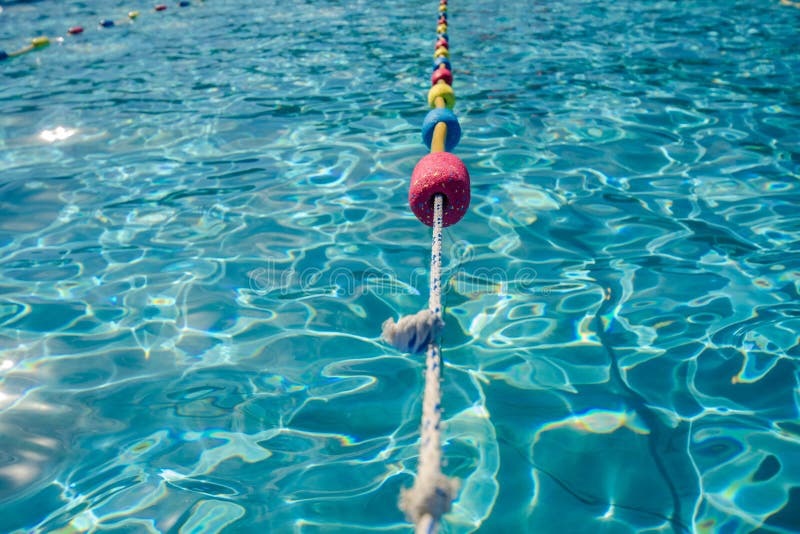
(597, 502)
(585, 499)
(639, 405)
(635, 400)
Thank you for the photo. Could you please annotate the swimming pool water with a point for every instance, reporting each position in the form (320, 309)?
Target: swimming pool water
(203, 223)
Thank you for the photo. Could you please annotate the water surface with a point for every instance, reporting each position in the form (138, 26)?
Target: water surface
(203, 222)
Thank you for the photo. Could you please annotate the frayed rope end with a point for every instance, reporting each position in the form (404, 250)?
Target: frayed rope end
(412, 333)
(434, 498)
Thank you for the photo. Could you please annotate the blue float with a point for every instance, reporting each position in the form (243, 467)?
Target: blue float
(441, 61)
(446, 116)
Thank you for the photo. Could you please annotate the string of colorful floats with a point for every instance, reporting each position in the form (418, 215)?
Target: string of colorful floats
(439, 196)
(42, 41)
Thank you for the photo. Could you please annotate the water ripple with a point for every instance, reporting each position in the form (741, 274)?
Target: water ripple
(203, 222)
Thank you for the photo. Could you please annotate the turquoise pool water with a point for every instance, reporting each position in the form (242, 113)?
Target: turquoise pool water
(203, 223)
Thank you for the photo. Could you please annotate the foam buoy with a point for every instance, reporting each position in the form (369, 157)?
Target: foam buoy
(441, 61)
(442, 90)
(439, 173)
(434, 117)
(75, 30)
(107, 23)
(161, 7)
(442, 74)
(3, 55)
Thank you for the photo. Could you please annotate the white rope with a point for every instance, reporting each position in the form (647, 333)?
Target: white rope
(413, 333)
(432, 494)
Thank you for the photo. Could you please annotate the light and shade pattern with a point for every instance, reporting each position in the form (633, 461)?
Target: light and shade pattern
(203, 221)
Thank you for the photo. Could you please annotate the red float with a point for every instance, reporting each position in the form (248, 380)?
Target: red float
(439, 173)
(442, 73)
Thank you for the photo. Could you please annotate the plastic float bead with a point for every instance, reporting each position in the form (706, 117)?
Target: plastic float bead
(38, 42)
(133, 14)
(183, 3)
(445, 92)
(75, 30)
(442, 74)
(107, 23)
(434, 117)
(442, 20)
(439, 173)
(441, 28)
(161, 7)
(443, 8)
(443, 36)
(441, 43)
(441, 61)
(441, 52)
(3, 55)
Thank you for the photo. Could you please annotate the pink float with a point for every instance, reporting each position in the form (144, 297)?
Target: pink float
(439, 173)
(442, 74)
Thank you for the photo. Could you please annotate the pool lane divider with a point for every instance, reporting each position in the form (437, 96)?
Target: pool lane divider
(42, 41)
(439, 196)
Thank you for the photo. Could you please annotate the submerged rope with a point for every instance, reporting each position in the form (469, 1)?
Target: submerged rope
(432, 494)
